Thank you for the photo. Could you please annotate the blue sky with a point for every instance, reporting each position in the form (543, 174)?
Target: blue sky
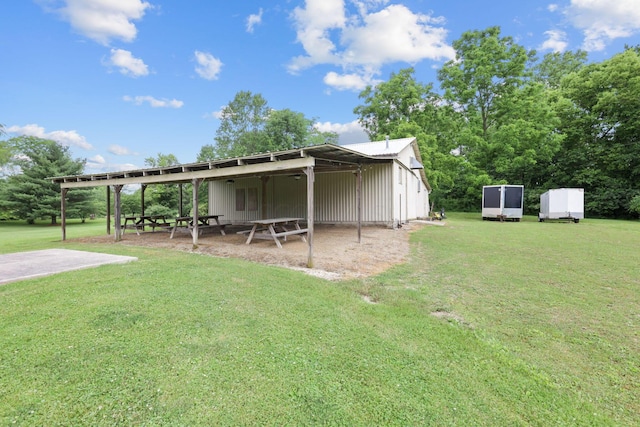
(122, 80)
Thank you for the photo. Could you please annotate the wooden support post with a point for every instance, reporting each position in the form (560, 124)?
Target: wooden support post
(196, 186)
(63, 213)
(310, 208)
(180, 198)
(263, 208)
(108, 210)
(143, 188)
(117, 212)
(359, 202)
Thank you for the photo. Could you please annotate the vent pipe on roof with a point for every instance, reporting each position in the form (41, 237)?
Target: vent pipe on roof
(387, 141)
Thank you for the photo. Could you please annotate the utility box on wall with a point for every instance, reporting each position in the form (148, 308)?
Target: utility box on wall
(503, 202)
(562, 203)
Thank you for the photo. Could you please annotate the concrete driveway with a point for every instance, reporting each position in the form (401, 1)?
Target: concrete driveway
(27, 265)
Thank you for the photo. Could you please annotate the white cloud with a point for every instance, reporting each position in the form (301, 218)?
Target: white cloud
(253, 20)
(361, 43)
(313, 26)
(95, 162)
(208, 65)
(348, 133)
(125, 167)
(552, 7)
(129, 66)
(214, 114)
(351, 81)
(95, 167)
(365, 5)
(64, 137)
(556, 41)
(119, 150)
(103, 20)
(396, 34)
(602, 21)
(97, 159)
(154, 102)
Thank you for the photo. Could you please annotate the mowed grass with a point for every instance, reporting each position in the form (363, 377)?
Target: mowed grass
(487, 324)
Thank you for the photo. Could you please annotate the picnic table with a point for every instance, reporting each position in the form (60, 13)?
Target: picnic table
(204, 222)
(275, 228)
(140, 222)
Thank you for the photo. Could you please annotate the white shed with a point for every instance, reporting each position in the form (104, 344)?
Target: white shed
(503, 202)
(394, 188)
(562, 203)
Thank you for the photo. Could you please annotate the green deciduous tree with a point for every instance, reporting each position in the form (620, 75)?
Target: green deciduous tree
(634, 205)
(286, 129)
(248, 126)
(161, 161)
(508, 129)
(487, 70)
(242, 123)
(555, 66)
(525, 138)
(29, 194)
(389, 104)
(161, 199)
(599, 115)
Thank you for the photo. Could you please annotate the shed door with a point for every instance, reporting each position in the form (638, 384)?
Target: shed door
(513, 198)
(491, 197)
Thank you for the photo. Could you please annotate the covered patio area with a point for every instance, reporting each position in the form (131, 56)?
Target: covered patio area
(305, 162)
(337, 253)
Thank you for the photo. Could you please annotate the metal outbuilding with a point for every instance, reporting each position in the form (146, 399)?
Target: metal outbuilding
(394, 189)
(380, 182)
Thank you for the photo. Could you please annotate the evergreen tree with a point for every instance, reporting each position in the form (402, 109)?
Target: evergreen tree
(29, 194)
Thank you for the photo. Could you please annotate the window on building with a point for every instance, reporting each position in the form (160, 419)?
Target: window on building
(246, 199)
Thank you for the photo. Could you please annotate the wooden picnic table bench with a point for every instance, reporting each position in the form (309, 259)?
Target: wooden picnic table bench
(204, 223)
(275, 228)
(138, 223)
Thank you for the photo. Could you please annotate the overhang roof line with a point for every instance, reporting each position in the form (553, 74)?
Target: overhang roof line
(329, 156)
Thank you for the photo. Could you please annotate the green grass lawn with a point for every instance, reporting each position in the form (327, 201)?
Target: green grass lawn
(488, 323)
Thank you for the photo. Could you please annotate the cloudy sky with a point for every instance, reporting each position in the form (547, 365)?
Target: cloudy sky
(122, 80)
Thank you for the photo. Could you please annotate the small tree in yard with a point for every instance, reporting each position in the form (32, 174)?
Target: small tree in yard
(634, 205)
(28, 193)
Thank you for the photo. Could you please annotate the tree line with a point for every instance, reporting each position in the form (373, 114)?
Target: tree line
(503, 116)
(500, 115)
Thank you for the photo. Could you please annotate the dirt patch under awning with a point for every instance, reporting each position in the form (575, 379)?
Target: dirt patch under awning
(336, 251)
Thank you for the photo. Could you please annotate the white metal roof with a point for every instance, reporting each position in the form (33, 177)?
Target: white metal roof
(392, 147)
(324, 157)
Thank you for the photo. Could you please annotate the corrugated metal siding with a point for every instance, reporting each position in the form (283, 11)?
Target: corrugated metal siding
(377, 194)
(222, 200)
(287, 197)
(334, 198)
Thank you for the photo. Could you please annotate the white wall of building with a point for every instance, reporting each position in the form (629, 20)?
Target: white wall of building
(385, 200)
